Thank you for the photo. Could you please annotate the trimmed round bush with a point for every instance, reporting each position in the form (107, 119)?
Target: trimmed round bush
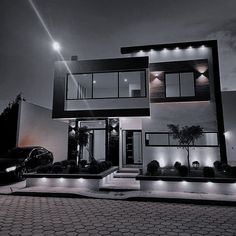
(177, 165)
(208, 172)
(218, 165)
(74, 169)
(57, 164)
(83, 163)
(233, 171)
(72, 162)
(44, 169)
(65, 163)
(94, 167)
(152, 167)
(56, 169)
(183, 171)
(226, 168)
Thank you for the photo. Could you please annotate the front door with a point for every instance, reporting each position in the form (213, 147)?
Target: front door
(132, 148)
(97, 140)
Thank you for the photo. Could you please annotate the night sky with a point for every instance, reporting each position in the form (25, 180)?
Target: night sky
(97, 29)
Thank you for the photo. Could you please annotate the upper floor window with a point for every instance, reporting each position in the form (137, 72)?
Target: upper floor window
(106, 85)
(180, 84)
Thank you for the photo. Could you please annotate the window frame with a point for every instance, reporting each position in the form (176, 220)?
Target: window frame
(92, 83)
(169, 145)
(179, 80)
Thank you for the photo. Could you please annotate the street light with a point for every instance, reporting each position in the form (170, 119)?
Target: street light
(56, 46)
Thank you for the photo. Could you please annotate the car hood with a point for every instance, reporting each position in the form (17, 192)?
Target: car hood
(8, 162)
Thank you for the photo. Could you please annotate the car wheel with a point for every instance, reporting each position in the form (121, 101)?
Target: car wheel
(19, 174)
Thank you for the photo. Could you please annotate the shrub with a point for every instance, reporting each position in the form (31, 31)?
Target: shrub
(152, 167)
(183, 170)
(177, 165)
(195, 164)
(44, 169)
(57, 164)
(56, 169)
(74, 169)
(94, 167)
(65, 163)
(233, 171)
(208, 172)
(72, 162)
(109, 164)
(226, 168)
(83, 163)
(218, 165)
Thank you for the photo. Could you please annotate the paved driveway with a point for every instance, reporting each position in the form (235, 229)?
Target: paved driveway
(72, 216)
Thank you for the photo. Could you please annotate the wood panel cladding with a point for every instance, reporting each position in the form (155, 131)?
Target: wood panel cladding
(158, 83)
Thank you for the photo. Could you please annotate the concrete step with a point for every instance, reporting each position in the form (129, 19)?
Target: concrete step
(125, 175)
(128, 170)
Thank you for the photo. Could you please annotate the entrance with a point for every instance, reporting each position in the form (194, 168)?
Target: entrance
(132, 148)
(97, 139)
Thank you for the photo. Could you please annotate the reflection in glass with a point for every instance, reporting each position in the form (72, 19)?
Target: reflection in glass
(105, 85)
(172, 85)
(132, 84)
(79, 86)
(187, 84)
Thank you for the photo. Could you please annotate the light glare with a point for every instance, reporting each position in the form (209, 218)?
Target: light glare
(56, 46)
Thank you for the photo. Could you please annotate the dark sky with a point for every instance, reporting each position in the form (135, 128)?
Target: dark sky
(97, 29)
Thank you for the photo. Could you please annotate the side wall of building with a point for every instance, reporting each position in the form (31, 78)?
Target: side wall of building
(36, 127)
(230, 125)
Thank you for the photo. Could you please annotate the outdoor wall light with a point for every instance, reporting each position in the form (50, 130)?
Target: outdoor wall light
(164, 50)
(125, 80)
(184, 182)
(81, 180)
(94, 81)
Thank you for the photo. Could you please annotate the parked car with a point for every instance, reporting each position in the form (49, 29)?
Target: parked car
(21, 160)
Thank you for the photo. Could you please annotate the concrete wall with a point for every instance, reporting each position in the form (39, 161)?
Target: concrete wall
(228, 99)
(36, 127)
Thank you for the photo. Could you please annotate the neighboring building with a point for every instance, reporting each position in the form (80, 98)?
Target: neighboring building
(128, 103)
(26, 124)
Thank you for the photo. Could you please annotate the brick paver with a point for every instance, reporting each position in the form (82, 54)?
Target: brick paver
(74, 216)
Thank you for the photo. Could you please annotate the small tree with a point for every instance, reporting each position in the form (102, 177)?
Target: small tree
(82, 137)
(186, 136)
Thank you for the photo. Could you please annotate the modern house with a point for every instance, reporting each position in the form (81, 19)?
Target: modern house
(128, 102)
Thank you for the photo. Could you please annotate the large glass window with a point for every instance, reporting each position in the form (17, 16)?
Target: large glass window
(132, 84)
(79, 86)
(172, 85)
(207, 139)
(105, 85)
(180, 84)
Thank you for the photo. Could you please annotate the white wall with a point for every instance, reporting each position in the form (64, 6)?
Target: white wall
(228, 99)
(36, 127)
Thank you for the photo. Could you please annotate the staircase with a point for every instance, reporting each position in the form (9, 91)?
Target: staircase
(123, 180)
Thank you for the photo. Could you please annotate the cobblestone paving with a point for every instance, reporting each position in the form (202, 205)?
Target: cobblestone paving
(72, 216)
